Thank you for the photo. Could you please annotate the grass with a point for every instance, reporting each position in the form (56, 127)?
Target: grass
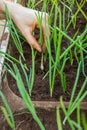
(63, 16)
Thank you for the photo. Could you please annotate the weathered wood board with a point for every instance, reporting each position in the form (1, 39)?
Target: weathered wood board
(4, 38)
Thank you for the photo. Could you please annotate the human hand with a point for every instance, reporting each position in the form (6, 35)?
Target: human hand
(26, 21)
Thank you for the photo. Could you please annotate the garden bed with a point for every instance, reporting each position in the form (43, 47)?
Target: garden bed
(45, 105)
(41, 88)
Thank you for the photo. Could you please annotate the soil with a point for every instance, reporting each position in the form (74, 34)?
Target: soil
(40, 92)
(41, 86)
(24, 121)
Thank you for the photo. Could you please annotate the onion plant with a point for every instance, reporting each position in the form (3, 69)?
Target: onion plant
(14, 71)
(81, 10)
(57, 63)
(58, 53)
(7, 112)
(84, 121)
(58, 116)
(32, 72)
(30, 78)
(31, 3)
(78, 116)
(75, 102)
(57, 56)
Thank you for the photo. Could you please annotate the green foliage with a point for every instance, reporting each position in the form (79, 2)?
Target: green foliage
(74, 103)
(84, 121)
(63, 16)
(58, 116)
(24, 94)
(7, 112)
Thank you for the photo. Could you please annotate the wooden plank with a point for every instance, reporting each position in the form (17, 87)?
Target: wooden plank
(4, 38)
(53, 104)
(19, 105)
(1, 28)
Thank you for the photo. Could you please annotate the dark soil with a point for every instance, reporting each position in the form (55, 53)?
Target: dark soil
(24, 121)
(40, 92)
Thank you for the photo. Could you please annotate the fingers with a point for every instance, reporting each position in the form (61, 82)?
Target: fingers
(32, 41)
(26, 31)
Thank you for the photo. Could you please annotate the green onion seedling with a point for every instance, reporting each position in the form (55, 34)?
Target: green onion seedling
(42, 63)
